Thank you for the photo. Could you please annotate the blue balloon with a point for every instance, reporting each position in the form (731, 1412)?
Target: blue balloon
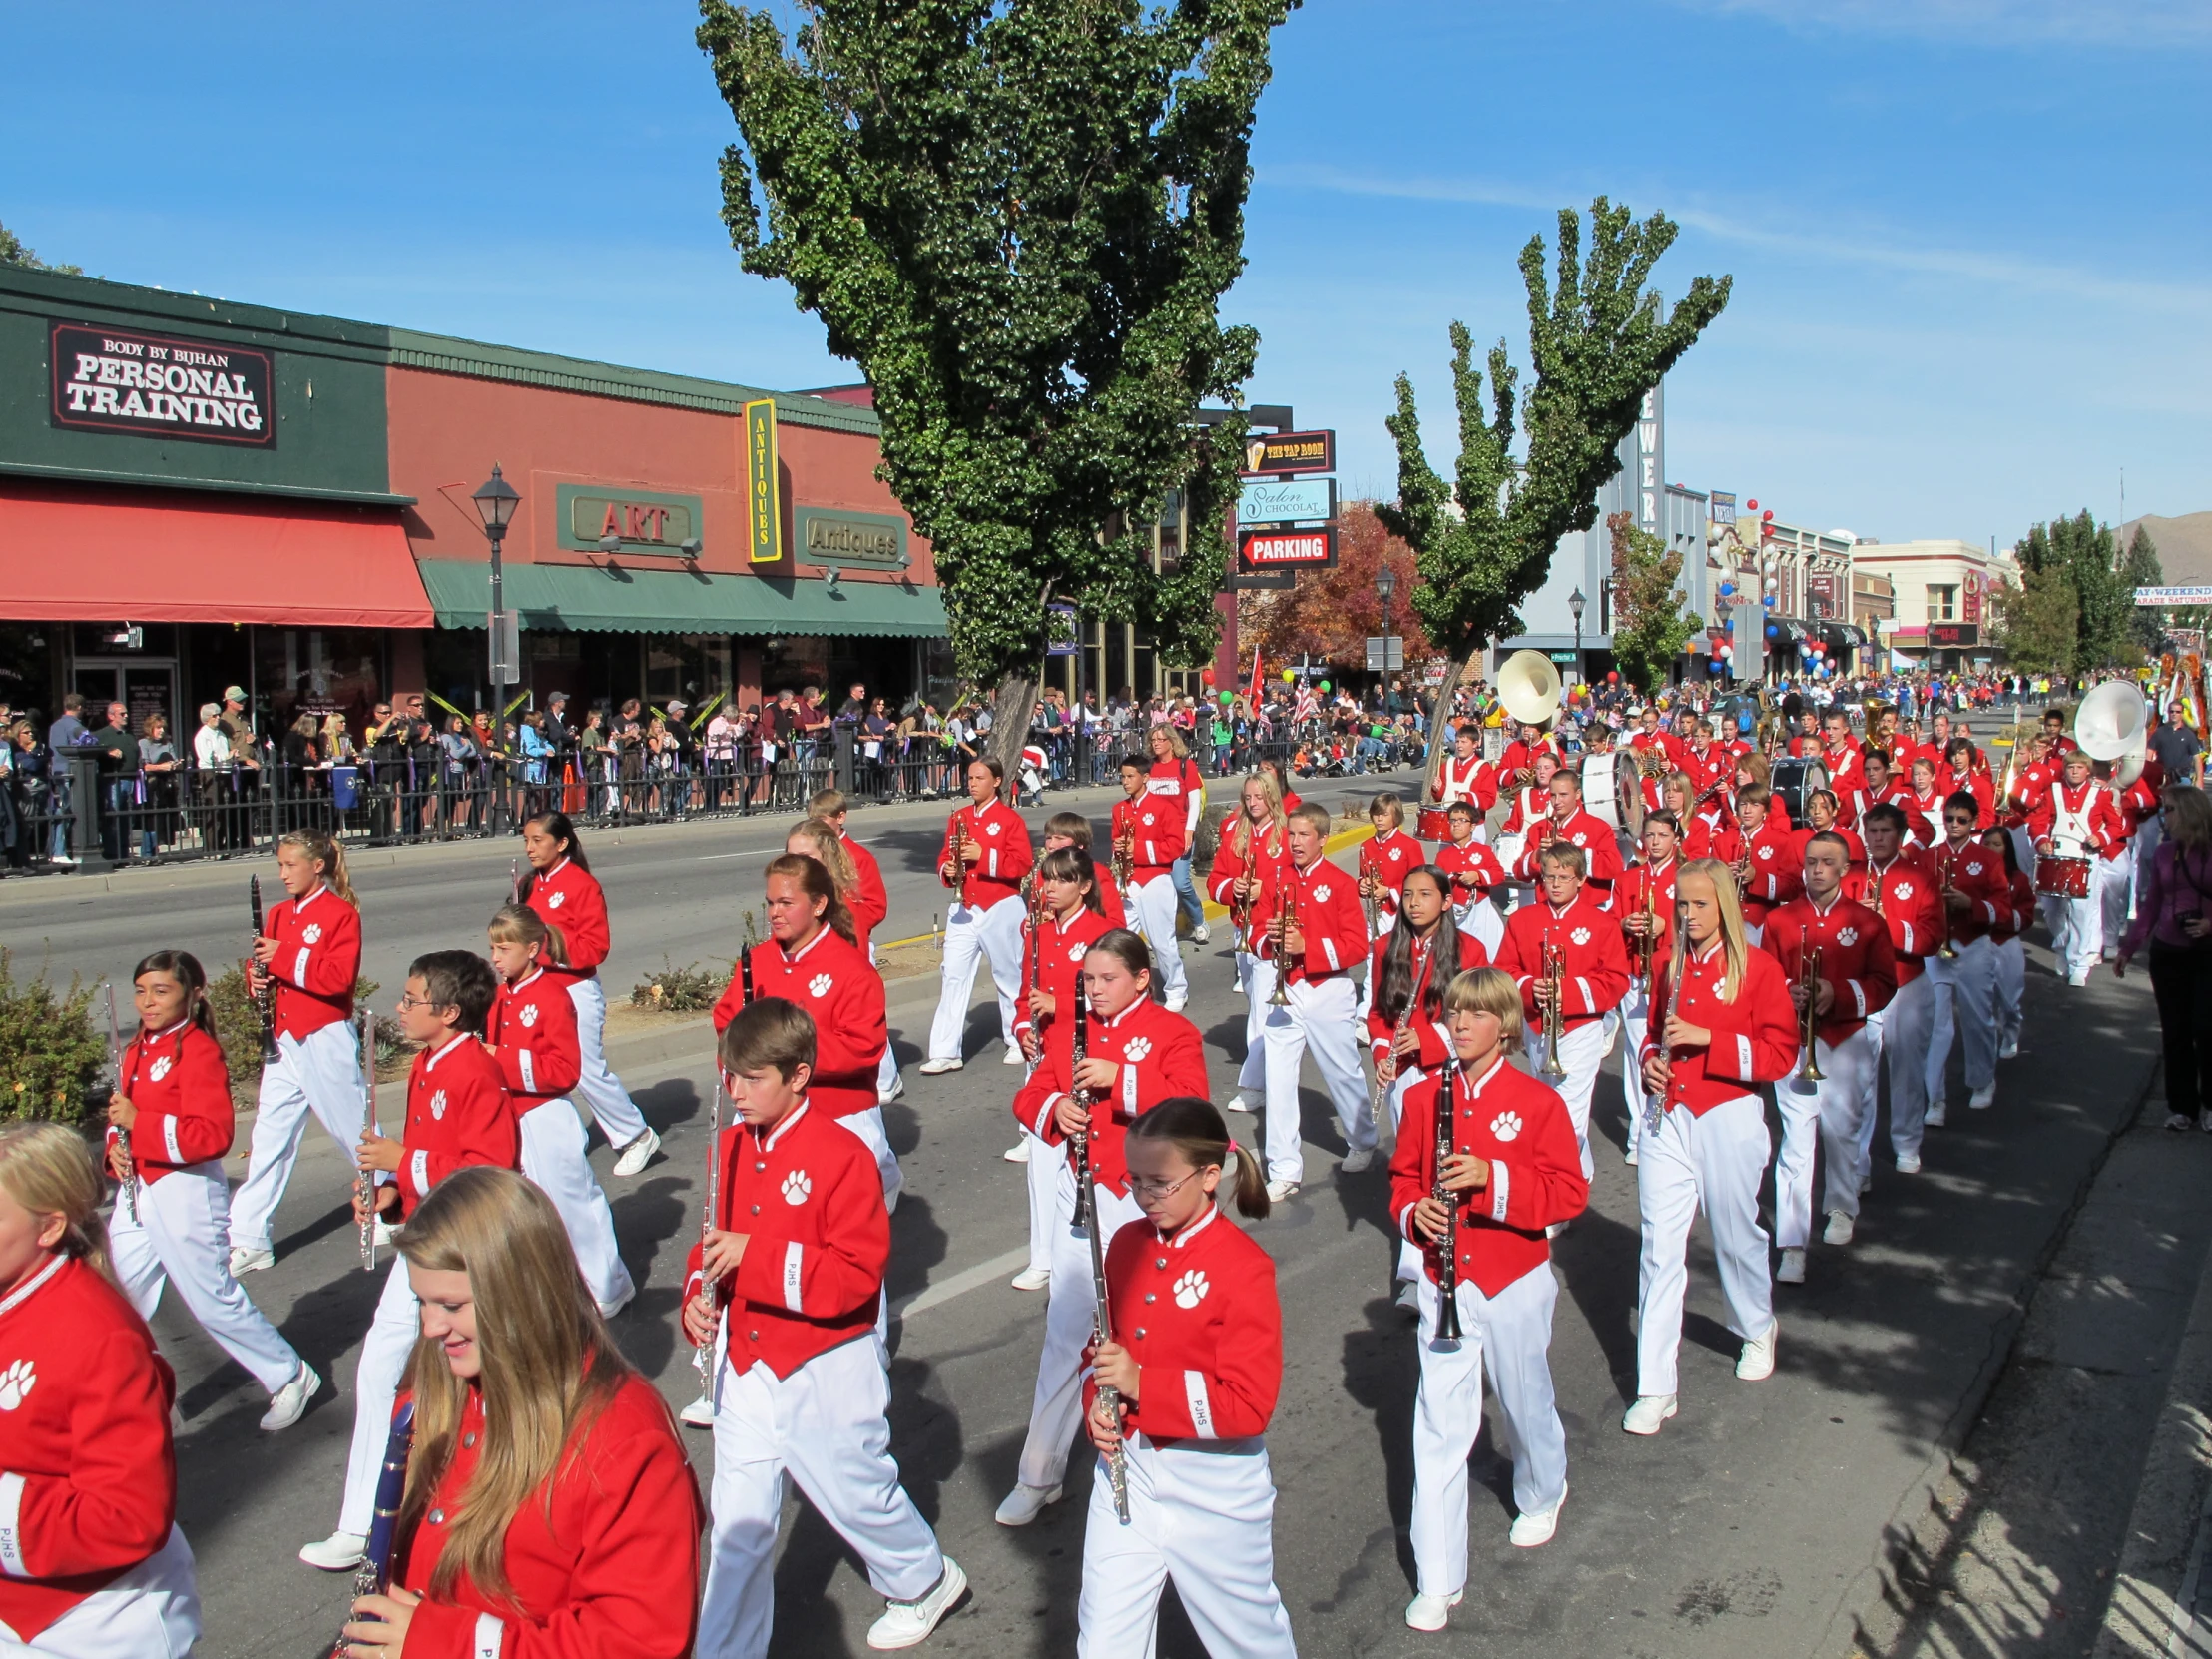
(1768, 602)
(1727, 588)
(1773, 633)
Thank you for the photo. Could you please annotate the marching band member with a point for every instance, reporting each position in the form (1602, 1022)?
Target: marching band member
(1273, 768)
(1729, 1029)
(1856, 978)
(871, 898)
(94, 1567)
(1962, 974)
(458, 1114)
(1875, 785)
(173, 1098)
(1840, 754)
(985, 918)
(811, 959)
(2011, 954)
(1531, 800)
(548, 1507)
(1148, 833)
(1569, 824)
(1516, 767)
(1074, 920)
(1643, 903)
(1388, 859)
(2055, 733)
(1593, 978)
(1476, 874)
(1312, 959)
(1464, 776)
(2037, 770)
(1407, 1039)
(1763, 846)
(1965, 769)
(561, 888)
(311, 952)
(1899, 884)
(532, 1033)
(2112, 879)
(1197, 1359)
(1513, 1175)
(2076, 819)
(1251, 853)
(1703, 761)
(1923, 803)
(790, 1278)
(1753, 771)
(1137, 1054)
(818, 841)
(1704, 818)
(1074, 829)
(1823, 818)
(1658, 752)
(1176, 780)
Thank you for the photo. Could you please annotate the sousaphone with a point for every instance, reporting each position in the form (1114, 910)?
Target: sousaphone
(1529, 687)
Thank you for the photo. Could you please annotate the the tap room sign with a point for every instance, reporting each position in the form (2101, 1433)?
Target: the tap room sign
(155, 385)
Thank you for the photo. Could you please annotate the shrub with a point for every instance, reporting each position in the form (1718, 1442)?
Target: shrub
(238, 1028)
(50, 1049)
(681, 990)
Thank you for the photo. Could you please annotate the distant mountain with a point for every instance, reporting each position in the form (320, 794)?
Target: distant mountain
(2184, 545)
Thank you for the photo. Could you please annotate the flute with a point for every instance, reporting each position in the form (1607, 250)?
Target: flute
(127, 1175)
(364, 1182)
(1086, 1225)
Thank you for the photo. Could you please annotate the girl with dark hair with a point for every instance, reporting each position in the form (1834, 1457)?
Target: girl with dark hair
(173, 1098)
(1196, 1359)
(2011, 954)
(1136, 1054)
(563, 890)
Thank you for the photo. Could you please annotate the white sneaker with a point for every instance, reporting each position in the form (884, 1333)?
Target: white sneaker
(883, 1097)
(1025, 1504)
(1032, 1279)
(907, 1623)
(1357, 1159)
(608, 1310)
(339, 1552)
(1649, 1411)
(1018, 1153)
(1756, 1362)
(1631, 1158)
(1909, 1163)
(1245, 1103)
(1427, 1613)
(250, 1258)
(1935, 1110)
(937, 1068)
(1277, 1191)
(290, 1403)
(1983, 1099)
(1013, 1056)
(1792, 1270)
(638, 1154)
(1839, 1229)
(2079, 977)
(1201, 935)
(1176, 1005)
(1530, 1531)
(1408, 1296)
(699, 1414)
(2009, 1050)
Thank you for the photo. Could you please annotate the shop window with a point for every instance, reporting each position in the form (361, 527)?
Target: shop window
(793, 664)
(939, 683)
(123, 639)
(694, 666)
(26, 667)
(319, 671)
(1943, 603)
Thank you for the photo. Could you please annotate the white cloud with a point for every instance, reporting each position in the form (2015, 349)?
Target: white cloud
(2147, 24)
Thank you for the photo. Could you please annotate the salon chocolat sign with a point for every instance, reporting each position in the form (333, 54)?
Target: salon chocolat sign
(155, 385)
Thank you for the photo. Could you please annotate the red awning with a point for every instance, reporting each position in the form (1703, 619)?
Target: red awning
(93, 555)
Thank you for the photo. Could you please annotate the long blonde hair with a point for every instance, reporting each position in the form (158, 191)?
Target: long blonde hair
(519, 924)
(1731, 910)
(50, 1171)
(1271, 791)
(830, 852)
(321, 848)
(548, 1364)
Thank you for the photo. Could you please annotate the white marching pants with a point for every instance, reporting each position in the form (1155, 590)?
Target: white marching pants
(1255, 978)
(1899, 1035)
(823, 1426)
(2011, 988)
(1042, 1176)
(1713, 1163)
(553, 1142)
(1965, 993)
(384, 1351)
(2110, 881)
(1152, 906)
(970, 935)
(150, 1612)
(321, 1074)
(1635, 1015)
(181, 1237)
(1323, 1018)
(1827, 1115)
(867, 1123)
(886, 1071)
(601, 1090)
(1480, 917)
(1581, 1051)
(1201, 1512)
(1070, 1318)
(1410, 1268)
(1509, 1336)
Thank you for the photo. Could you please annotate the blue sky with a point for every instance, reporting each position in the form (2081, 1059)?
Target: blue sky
(1970, 238)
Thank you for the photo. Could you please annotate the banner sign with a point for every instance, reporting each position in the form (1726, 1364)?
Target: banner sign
(1287, 502)
(159, 386)
(1286, 549)
(2161, 598)
(764, 506)
(1274, 452)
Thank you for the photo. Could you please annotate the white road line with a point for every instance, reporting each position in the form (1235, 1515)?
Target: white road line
(968, 1279)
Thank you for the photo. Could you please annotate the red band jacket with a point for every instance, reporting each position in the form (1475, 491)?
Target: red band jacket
(570, 898)
(532, 1031)
(1053, 957)
(1976, 783)
(1474, 868)
(1328, 915)
(2103, 832)
(1594, 976)
(1152, 826)
(1390, 858)
(1600, 848)
(459, 1113)
(602, 1559)
(1200, 1316)
(182, 1089)
(1522, 1127)
(1471, 779)
(1628, 900)
(1777, 873)
(1973, 869)
(88, 1473)
(317, 962)
(1003, 837)
(1267, 857)
(1855, 850)
(1160, 1056)
(835, 984)
(1908, 905)
(1430, 979)
(1857, 961)
(1755, 1037)
(2021, 910)
(870, 901)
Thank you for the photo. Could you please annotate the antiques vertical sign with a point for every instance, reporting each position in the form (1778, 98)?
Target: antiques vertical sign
(160, 386)
(763, 512)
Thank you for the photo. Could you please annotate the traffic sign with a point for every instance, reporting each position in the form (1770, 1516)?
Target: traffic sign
(1286, 549)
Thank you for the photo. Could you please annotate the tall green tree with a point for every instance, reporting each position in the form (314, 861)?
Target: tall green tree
(1652, 621)
(2083, 552)
(2140, 568)
(1017, 217)
(2038, 622)
(1597, 342)
(12, 251)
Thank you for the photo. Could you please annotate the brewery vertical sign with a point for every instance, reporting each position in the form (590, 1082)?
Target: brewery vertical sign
(763, 504)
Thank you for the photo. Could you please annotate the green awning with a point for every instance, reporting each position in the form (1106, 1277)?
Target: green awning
(630, 600)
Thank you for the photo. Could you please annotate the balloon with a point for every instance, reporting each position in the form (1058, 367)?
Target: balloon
(1206, 677)
(1727, 588)
(1288, 676)
(1613, 676)
(1325, 685)
(1225, 696)
(1751, 506)
(1773, 633)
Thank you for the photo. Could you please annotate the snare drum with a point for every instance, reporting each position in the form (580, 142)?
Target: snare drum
(2057, 877)
(1435, 824)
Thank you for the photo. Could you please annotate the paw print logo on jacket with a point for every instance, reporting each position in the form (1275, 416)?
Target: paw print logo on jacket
(438, 1105)
(1766, 854)
(994, 828)
(1191, 1289)
(529, 1017)
(1905, 889)
(1506, 1126)
(797, 1187)
(819, 985)
(1075, 952)
(1137, 1050)
(557, 901)
(1581, 935)
(1320, 895)
(311, 933)
(1848, 937)
(158, 1070)
(16, 1382)
(1397, 854)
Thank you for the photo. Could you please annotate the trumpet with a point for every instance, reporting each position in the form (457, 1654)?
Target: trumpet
(1371, 878)
(1809, 980)
(1949, 952)
(1285, 917)
(1555, 973)
(957, 843)
(1647, 946)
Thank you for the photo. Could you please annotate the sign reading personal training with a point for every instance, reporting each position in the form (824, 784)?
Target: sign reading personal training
(157, 385)
(763, 512)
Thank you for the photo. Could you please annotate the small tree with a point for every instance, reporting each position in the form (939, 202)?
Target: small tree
(2147, 626)
(1330, 614)
(1598, 342)
(2083, 552)
(2036, 622)
(1651, 619)
(50, 1050)
(12, 251)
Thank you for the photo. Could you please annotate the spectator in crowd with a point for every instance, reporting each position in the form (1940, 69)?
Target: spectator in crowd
(117, 752)
(157, 766)
(236, 722)
(2178, 749)
(2171, 920)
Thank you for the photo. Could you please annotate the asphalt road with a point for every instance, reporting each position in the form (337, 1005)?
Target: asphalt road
(1752, 1525)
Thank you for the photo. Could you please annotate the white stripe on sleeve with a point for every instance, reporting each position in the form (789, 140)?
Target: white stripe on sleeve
(1501, 1189)
(1328, 949)
(1743, 1058)
(490, 1640)
(1589, 1002)
(793, 1255)
(1858, 995)
(1129, 1087)
(1201, 1404)
(169, 1140)
(300, 968)
(421, 1173)
(529, 1071)
(11, 1527)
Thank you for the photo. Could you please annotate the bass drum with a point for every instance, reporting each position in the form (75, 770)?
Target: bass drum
(1600, 797)
(1794, 778)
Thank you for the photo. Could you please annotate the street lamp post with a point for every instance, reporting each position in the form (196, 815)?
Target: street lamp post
(1575, 602)
(1386, 584)
(496, 501)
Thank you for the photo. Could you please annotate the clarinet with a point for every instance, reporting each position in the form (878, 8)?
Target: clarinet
(1447, 1245)
(1086, 1225)
(514, 880)
(126, 1178)
(374, 1576)
(364, 1182)
(264, 1000)
(1079, 1145)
